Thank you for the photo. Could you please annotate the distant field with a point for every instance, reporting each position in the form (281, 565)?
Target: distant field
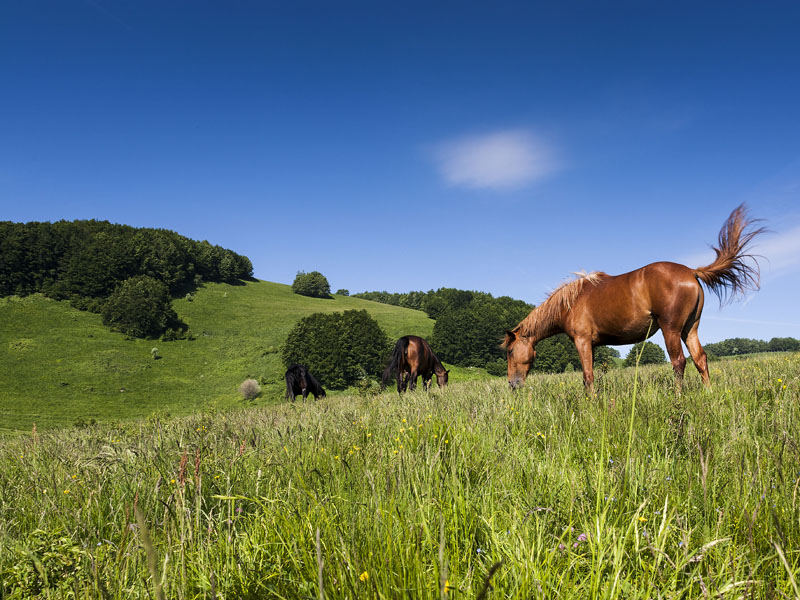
(59, 365)
(542, 493)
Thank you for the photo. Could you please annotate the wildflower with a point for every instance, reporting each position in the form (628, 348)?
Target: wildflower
(336, 457)
(172, 481)
(642, 519)
(369, 435)
(66, 491)
(74, 476)
(404, 420)
(364, 576)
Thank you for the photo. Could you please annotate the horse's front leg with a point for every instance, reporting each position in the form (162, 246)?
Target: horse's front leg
(426, 382)
(584, 347)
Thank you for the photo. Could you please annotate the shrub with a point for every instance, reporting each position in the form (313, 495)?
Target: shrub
(312, 284)
(338, 348)
(651, 354)
(498, 367)
(249, 389)
(140, 307)
(343, 292)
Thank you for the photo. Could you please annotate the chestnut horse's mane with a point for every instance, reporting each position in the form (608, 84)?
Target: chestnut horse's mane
(560, 299)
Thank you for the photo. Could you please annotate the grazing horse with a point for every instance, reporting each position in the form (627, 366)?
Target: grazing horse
(300, 381)
(597, 309)
(412, 357)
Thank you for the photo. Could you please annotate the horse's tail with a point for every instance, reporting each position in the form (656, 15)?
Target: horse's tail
(731, 274)
(396, 360)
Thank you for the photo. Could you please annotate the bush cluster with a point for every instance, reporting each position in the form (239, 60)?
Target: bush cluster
(340, 349)
(313, 284)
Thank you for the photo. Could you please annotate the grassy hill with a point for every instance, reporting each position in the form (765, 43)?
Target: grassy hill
(59, 366)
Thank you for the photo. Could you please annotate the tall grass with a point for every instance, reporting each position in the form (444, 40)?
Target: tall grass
(471, 492)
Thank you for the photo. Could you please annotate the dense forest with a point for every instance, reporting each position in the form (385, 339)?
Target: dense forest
(92, 263)
(88, 259)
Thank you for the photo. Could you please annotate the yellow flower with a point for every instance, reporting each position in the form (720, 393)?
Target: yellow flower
(66, 491)
(172, 481)
(336, 457)
(642, 519)
(404, 420)
(369, 435)
(364, 576)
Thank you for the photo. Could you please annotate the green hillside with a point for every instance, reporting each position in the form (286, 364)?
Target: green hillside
(59, 365)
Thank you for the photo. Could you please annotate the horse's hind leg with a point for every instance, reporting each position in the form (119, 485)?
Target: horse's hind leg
(412, 380)
(698, 354)
(672, 340)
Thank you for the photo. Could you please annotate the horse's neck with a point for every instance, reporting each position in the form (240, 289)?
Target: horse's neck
(541, 329)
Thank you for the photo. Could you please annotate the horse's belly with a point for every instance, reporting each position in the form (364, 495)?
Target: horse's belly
(630, 332)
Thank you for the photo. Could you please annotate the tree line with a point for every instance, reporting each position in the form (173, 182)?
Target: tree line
(735, 346)
(89, 262)
(469, 329)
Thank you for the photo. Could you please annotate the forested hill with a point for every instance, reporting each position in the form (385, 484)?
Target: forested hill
(85, 260)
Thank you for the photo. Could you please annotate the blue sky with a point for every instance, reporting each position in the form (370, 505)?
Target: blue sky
(413, 145)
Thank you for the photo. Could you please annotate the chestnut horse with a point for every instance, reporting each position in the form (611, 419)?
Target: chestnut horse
(597, 309)
(412, 357)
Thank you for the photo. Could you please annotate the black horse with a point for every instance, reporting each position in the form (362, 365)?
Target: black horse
(412, 357)
(300, 381)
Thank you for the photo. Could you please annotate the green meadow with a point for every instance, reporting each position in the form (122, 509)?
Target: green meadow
(470, 492)
(184, 490)
(60, 366)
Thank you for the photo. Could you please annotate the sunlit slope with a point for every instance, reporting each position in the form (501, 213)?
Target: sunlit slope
(59, 365)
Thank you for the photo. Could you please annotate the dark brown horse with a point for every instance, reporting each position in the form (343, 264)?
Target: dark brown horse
(300, 381)
(412, 357)
(597, 308)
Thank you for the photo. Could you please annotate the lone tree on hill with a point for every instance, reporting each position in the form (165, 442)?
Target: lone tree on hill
(339, 348)
(140, 307)
(651, 354)
(312, 284)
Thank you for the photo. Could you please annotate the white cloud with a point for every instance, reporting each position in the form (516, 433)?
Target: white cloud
(781, 251)
(499, 160)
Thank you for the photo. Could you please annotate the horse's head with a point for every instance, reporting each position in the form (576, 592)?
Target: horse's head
(521, 354)
(441, 378)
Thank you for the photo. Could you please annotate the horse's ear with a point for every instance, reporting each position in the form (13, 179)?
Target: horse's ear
(510, 337)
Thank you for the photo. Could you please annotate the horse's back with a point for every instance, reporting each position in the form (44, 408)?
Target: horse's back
(620, 309)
